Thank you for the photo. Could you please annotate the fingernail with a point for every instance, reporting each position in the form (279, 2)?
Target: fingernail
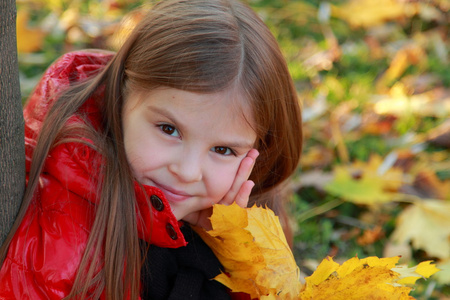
(253, 184)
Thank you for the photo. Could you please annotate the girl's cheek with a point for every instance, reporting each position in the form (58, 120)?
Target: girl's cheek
(226, 179)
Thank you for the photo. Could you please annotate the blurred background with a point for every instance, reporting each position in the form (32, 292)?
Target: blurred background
(373, 78)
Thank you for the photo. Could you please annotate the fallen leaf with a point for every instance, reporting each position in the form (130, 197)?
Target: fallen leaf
(362, 183)
(367, 13)
(370, 236)
(405, 57)
(251, 246)
(375, 124)
(315, 178)
(429, 185)
(438, 161)
(426, 224)
(317, 157)
(440, 135)
(402, 250)
(399, 103)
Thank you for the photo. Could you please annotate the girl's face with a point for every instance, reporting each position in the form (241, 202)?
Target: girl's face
(188, 145)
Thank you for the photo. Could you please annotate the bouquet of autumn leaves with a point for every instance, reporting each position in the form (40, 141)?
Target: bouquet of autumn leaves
(253, 250)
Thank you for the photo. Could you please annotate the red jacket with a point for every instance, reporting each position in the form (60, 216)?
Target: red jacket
(45, 253)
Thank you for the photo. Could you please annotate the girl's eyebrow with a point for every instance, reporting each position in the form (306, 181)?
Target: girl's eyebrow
(243, 144)
(166, 113)
(239, 145)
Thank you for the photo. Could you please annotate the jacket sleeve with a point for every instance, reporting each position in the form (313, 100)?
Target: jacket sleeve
(45, 252)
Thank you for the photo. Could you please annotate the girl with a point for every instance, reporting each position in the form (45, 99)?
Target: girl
(125, 150)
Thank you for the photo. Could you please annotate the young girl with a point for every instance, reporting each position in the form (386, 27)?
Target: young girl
(125, 150)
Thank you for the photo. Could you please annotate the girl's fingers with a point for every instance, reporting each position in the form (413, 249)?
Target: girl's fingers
(239, 192)
(244, 193)
(242, 176)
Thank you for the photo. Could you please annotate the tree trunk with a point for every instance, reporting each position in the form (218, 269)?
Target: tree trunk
(12, 147)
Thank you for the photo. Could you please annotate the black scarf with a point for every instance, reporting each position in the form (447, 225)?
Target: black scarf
(182, 273)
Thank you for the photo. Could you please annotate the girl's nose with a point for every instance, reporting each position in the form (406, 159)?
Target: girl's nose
(187, 168)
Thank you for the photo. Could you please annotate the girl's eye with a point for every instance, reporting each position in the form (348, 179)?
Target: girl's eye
(169, 130)
(223, 150)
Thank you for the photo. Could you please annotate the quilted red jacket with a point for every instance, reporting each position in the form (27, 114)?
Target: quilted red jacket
(46, 250)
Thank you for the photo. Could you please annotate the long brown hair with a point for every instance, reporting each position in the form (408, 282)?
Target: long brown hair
(194, 45)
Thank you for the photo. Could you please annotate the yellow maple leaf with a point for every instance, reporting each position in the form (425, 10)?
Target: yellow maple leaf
(426, 224)
(251, 246)
(368, 278)
(363, 183)
(410, 275)
(28, 40)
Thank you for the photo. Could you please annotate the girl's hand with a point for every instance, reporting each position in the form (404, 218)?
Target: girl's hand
(242, 187)
(239, 192)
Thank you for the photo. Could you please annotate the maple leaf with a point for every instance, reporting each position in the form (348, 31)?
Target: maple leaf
(426, 224)
(360, 278)
(362, 183)
(410, 275)
(251, 246)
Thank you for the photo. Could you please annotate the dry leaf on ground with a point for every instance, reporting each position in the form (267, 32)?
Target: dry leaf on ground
(361, 182)
(399, 103)
(367, 13)
(425, 223)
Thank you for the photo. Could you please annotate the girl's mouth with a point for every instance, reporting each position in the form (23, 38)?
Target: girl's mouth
(171, 194)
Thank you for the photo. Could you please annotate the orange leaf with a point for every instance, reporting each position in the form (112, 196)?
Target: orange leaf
(369, 278)
(251, 246)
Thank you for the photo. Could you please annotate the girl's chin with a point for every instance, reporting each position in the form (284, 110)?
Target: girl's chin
(177, 213)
